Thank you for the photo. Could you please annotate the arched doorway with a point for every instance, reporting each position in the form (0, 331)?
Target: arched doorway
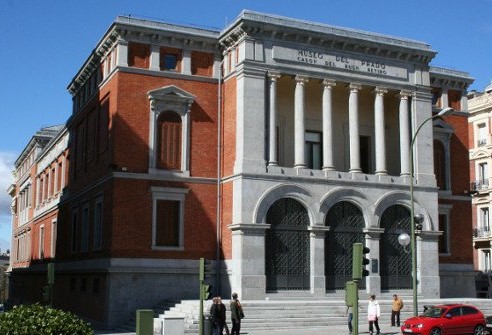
(396, 266)
(287, 257)
(346, 223)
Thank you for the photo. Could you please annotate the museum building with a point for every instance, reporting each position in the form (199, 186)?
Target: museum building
(270, 147)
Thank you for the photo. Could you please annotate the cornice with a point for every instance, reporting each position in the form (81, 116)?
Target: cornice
(271, 27)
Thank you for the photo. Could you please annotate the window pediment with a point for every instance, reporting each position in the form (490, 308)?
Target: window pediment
(171, 98)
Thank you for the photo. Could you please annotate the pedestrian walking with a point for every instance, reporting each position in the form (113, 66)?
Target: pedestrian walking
(236, 314)
(218, 315)
(350, 315)
(395, 310)
(373, 314)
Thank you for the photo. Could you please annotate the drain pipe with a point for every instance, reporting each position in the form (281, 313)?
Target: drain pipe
(218, 236)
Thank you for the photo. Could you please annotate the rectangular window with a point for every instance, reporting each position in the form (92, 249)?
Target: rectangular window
(486, 261)
(103, 127)
(91, 135)
(444, 238)
(84, 238)
(74, 232)
(83, 284)
(96, 286)
(60, 177)
(482, 135)
(170, 59)
(53, 239)
(169, 62)
(168, 217)
(41, 242)
(98, 224)
(313, 150)
(167, 227)
(483, 176)
(73, 284)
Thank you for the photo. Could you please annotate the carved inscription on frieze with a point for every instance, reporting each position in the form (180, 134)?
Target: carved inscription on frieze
(338, 61)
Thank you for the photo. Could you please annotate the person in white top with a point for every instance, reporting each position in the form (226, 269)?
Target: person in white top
(373, 314)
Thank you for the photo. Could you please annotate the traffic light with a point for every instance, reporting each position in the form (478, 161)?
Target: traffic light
(206, 291)
(359, 261)
(418, 219)
(46, 293)
(205, 269)
(351, 293)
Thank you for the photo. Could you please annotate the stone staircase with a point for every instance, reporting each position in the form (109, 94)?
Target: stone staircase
(287, 312)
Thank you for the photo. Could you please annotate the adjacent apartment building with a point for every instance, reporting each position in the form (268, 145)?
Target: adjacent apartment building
(480, 107)
(269, 147)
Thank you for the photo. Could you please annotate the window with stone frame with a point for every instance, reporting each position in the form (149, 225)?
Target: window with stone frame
(168, 218)
(169, 141)
(443, 244)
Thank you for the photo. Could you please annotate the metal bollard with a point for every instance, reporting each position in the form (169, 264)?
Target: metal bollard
(207, 325)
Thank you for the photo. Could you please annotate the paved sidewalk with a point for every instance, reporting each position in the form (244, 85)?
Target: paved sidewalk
(385, 330)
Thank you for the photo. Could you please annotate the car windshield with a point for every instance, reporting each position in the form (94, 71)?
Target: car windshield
(433, 312)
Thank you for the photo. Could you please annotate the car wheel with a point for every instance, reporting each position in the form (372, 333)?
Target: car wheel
(478, 330)
(435, 331)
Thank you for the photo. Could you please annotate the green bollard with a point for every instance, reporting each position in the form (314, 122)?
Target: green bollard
(145, 322)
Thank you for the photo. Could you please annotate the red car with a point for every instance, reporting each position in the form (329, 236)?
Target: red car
(446, 319)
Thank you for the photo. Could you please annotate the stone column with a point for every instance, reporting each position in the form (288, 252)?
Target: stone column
(404, 134)
(248, 260)
(354, 128)
(186, 62)
(328, 125)
(317, 256)
(122, 53)
(299, 129)
(273, 160)
(379, 130)
(155, 57)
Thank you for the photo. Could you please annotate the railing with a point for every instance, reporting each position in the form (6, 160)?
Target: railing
(479, 185)
(482, 232)
(481, 142)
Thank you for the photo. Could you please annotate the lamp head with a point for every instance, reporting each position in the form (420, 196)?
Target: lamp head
(445, 111)
(404, 239)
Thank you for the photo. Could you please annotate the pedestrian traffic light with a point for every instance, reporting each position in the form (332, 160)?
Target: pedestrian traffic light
(46, 293)
(359, 261)
(351, 293)
(205, 269)
(206, 291)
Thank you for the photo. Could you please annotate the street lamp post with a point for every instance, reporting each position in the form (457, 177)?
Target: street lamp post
(443, 112)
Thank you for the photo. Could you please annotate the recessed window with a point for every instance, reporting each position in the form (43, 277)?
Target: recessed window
(168, 217)
(169, 62)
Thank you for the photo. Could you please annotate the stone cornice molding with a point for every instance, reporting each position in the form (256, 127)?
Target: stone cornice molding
(319, 35)
(249, 228)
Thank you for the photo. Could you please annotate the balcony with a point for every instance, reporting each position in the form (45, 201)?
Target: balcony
(481, 142)
(479, 185)
(484, 232)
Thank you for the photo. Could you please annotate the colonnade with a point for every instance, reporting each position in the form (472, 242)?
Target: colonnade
(327, 125)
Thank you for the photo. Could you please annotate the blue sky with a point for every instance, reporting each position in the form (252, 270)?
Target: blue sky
(43, 43)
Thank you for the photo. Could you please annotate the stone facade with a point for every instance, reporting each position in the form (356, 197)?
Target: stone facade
(271, 146)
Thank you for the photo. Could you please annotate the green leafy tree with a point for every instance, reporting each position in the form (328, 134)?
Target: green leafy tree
(41, 320)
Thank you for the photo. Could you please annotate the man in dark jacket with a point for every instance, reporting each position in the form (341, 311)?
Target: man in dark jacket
(236, 314)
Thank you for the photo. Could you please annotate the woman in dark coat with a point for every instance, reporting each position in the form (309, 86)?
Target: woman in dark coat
(218, 315)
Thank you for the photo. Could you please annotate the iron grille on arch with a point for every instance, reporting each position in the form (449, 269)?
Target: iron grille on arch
(346, 224)
(287, 257)
(396, 267)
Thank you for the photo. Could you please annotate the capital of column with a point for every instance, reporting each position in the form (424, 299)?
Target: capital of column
(301, 79)
(273, 76)
(380, 90)
(328, 83)
(354, 87)
(404, 95)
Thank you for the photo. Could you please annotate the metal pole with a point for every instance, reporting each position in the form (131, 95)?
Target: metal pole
(413, 242)
(355, 310)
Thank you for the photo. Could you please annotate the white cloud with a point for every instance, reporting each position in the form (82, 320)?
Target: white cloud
(7, 160)
(6, 166)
